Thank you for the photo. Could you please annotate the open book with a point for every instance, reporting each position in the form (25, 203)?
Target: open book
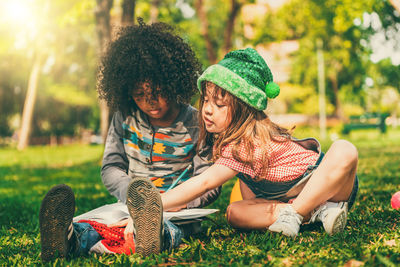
(113, 213)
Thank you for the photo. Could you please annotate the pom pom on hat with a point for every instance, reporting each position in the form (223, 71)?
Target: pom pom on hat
(272, 90)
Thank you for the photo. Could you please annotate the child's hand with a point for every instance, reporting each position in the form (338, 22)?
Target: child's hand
(178, 208)
(129, 229)
(121, 223)
(128, 224)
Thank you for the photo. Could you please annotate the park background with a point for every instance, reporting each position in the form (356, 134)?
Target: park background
(333, 60)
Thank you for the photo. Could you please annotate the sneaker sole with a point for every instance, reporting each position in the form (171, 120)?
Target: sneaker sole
(145, 208)
(339, 223)
(55, 221)
(283, 230)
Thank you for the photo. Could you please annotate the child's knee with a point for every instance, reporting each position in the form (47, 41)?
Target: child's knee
(232, 214)
(346, 153)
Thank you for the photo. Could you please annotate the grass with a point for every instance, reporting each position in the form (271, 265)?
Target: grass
(371, 237)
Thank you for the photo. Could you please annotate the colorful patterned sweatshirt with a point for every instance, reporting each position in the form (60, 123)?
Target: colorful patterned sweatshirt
(136, 148)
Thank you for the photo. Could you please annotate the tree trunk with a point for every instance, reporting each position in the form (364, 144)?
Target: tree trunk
(235, 8)
(128, 12)
(103, 29)
(30, 99)
(338, 105)
(211, 53)
(155, 6)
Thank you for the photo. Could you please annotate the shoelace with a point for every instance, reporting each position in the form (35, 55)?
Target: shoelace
(319, 213)
(71, 231)
(322, 213)
(287, 215)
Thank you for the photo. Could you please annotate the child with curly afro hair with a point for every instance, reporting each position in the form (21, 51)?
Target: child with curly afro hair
(151, 54)
(147, 76)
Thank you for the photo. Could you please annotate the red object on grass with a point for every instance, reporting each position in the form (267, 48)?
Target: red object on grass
(113, 238)
(396, 200)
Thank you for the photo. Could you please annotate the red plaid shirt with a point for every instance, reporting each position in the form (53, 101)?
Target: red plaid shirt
(286, 161)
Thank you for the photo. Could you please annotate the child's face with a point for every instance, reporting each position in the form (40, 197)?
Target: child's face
(156, 107)
(215, 110)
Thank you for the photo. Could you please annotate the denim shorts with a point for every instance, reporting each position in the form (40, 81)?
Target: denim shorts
(284, 191)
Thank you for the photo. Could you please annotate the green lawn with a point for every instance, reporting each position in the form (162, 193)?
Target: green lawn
(371, 236)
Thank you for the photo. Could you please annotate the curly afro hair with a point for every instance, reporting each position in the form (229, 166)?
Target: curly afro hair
(147, 53)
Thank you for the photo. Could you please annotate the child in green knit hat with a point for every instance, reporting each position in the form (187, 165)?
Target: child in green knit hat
(284, 181)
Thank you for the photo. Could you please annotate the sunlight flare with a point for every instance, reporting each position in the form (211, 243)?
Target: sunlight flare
(18, 13)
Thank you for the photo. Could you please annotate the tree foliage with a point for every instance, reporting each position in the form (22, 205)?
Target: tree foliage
(64, 33)
(65, 39)
(346, 43)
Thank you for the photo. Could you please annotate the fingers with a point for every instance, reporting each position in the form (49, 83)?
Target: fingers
(121, 223)
(178, 208)
(175, 209)
(129, 229)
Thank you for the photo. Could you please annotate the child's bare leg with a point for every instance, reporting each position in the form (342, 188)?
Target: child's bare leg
(246, 191)
(333, 179)
(253, 213)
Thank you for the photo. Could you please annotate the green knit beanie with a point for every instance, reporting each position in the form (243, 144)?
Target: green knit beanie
(245, 75)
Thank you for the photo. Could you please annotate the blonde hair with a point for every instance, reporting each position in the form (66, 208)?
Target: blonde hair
(247, 126)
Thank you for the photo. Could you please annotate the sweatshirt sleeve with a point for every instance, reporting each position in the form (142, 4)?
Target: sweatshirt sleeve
(114, 170)
(200, 163)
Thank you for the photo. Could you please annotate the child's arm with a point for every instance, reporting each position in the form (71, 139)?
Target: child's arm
(201, 162)
(114, 170)
(211, 178)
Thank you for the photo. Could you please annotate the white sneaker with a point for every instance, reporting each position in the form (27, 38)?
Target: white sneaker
(288, 222)
(333, 216)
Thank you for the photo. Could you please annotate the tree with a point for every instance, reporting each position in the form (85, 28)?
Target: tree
(204, 25)
(154, 10)
(128, 12)
(103, 29)
(59, 49)
(235, 8)
(333, 22)
(12, 83)
(213, 46)
(30, 99)
(384, 71)
(29, 105)
(38, 40)
(342, 27)
(104, 32)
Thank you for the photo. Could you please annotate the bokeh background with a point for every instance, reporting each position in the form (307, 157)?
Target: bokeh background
(333, 59)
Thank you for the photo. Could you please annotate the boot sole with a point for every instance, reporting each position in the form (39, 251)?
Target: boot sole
(55, 222)
(145, 208)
